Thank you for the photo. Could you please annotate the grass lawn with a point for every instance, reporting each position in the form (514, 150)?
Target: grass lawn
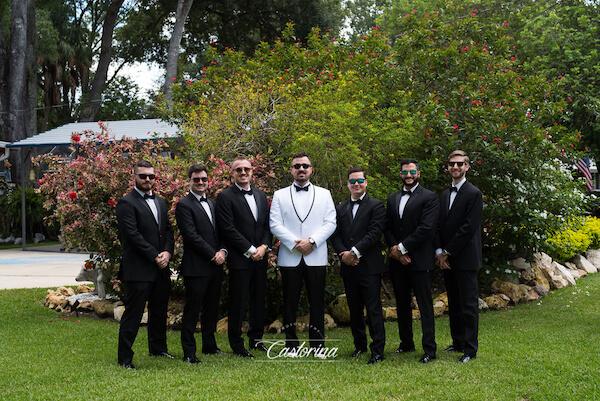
(546, 350)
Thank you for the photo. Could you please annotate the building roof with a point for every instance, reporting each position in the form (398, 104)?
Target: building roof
(137, 129)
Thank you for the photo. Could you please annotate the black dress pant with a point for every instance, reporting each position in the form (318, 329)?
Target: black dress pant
(463, 304)
(246, 285)
(292, 279)
(404, 281)
(137, 293)
(363, 291)
(202, 294)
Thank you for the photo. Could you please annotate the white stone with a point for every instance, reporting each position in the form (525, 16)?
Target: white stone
(482, 304)
(584, 264)
(593, 256)
(560, 269)
(519, 263)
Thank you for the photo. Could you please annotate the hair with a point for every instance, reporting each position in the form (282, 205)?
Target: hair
(239, 158)
(459, 153)
(196, 168)
(409, 161)
(299, 155)
(143, 164)
(357, 170)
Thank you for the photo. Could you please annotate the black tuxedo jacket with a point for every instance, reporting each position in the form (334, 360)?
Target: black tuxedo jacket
(142, 238)
(200, 237)
(415, 229)
(363, 232)
(459, 230)
(237, 226)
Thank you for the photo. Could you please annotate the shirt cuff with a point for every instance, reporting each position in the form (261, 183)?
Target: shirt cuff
(402, 249)
(356, 252)
(438, 251)
(250, 251)
(224, 250)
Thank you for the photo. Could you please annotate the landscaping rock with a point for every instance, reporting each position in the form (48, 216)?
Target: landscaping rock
(584, 264)
(339, 309)
(533, 294)
(566, 273)
(542, 290)
(516, 292)
(83, 289)
(593, 256)
(416, 314)
(222, 325)
(528, 275)
(303, 323)
(38, 237)
(174, 321)
(443, 297)
(390, 313)
(118, 312)
(104, 308)
(497, 301)
(275, 327)
(482, 304)
(439, 308)
(329, 322)
(519, 264)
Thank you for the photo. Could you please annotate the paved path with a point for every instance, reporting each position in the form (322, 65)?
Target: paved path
(39, 267)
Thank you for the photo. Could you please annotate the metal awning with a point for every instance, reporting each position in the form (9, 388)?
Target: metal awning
(136, 129)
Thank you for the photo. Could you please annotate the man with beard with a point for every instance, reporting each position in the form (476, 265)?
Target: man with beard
(303, 218)
(458, 253)
(201, 266)
(243, 221)
(357, 241)
(412, 215)
(147, 238)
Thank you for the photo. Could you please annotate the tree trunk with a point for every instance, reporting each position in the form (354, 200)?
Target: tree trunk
(94, 96)
(21, 73)
(183, 9)
(3, 84)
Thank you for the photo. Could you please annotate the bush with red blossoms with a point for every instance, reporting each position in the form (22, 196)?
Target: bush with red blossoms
(83, 192)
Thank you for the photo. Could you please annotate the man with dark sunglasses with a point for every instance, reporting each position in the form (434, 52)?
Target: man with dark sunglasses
(458, 253)
(303, 218)
(243, 222)
(202, 265)
(147, 238)
(412, 215)
(357, 241)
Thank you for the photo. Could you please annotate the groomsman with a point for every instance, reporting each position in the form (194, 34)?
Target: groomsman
(147, 238)
(412, 215)
(243, 222)
(458, 253)
(357, 241)
(202, 265)
(303, 218)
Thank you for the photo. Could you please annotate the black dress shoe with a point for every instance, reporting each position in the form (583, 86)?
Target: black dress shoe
(402, 349)
(128, 366)
(466, 358)
(191, 359)
(427, 358)
(357, 352)
(259, 347)
(374, 359)
(216, 351)
(452, 348)
(244, 354)
(165, 354)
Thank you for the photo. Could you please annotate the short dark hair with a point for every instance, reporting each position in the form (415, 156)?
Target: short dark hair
(404, 162)
(196, 168)
(357, 170)
(459, 152)
(143, 164)
(299, 155)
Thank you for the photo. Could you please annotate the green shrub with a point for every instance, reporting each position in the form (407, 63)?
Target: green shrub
(575, 238)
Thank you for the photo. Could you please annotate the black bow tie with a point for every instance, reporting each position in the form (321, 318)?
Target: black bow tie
(146, 196)
(299, 188)
(356, 202)
(246, 191)
(202, 199)
(453, 189)
(409, 193)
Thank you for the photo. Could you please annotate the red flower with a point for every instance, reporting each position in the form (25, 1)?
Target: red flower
(76, 138)
(112, 202)
(80, 183)
(73, 195)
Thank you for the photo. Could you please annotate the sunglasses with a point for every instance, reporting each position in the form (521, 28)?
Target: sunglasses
(459, 164)
(244, 169)
(355, 180)
(405, 172)
(148, 176)
(198, 179)
(304, 166)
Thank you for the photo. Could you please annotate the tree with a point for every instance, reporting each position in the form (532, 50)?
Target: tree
(183, 9)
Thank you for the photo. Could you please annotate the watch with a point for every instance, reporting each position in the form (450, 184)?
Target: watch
(311, 240)
(445, 252)
(352, 252)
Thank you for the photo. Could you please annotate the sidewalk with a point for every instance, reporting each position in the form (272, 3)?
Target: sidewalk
(39, 267)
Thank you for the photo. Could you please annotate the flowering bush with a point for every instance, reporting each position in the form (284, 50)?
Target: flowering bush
(82, 193)
(575, 238)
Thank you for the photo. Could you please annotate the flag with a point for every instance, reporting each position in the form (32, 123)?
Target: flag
(583, 165)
